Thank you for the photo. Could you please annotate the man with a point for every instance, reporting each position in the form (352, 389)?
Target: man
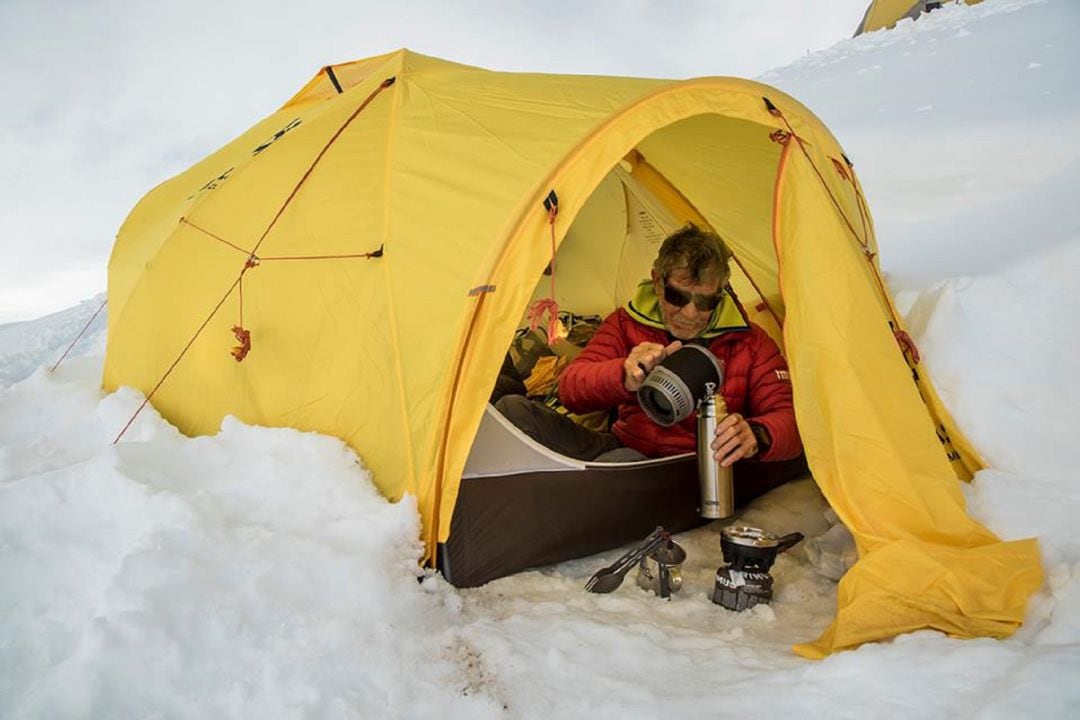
(684, 301)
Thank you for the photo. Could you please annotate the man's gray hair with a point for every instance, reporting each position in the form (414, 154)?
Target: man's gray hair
(696, 250)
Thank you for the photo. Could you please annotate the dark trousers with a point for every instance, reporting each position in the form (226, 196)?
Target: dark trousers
(561, 434)
(558, 432)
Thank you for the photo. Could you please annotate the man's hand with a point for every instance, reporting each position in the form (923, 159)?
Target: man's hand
(642, 359)
(734, 440)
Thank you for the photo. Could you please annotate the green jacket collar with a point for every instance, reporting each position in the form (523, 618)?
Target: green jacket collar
(644, 307)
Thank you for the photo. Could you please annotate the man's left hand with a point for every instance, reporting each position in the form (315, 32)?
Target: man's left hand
(734, 440)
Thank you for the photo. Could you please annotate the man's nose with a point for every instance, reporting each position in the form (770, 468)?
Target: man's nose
(688, 311)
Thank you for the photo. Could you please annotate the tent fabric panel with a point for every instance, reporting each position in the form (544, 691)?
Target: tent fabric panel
(263, 150)
(319, 323)
(320, 320)
(873, 449)
(588, 269)
(243, 208)
(182, 283)
(342, 209)
(859, 411)
(339, 208)
(650, 218)
(963, 592)
(157, 215)
(844, 187)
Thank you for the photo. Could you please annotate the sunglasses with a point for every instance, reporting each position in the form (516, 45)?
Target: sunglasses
(681, 298)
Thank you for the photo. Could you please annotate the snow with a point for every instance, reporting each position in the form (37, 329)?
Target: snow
(257, 573)
(26, 345)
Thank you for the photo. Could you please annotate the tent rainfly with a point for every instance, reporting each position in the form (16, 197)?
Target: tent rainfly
(369, 250)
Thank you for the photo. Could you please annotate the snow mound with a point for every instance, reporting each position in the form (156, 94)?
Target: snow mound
(232, 576)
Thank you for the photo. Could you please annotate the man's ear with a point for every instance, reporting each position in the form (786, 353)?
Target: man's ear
(656, 277)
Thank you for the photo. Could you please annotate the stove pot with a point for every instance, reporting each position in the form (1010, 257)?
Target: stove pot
(660, 571)
(753, 549)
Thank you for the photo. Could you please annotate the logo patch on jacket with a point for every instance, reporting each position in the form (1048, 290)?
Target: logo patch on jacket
(783, 375)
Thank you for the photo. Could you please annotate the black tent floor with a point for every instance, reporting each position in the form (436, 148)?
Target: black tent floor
(503, 524)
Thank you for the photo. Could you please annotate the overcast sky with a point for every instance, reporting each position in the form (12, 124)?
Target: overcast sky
(103, 99)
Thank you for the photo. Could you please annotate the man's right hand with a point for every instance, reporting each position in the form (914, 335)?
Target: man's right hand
(642, 359)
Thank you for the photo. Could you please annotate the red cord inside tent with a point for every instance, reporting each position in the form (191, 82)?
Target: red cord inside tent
(549, 304)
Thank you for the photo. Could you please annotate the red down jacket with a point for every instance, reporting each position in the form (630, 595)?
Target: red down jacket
(756, 382)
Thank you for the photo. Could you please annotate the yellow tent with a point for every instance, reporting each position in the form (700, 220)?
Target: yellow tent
(369, 250)
(886, 13)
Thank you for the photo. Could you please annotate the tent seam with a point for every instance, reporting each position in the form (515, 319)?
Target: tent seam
(625, 239)
(391, 314)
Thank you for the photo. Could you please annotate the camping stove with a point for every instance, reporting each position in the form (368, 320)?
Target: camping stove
(743, 581)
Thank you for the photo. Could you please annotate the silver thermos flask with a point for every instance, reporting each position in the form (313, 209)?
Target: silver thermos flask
(717, 491)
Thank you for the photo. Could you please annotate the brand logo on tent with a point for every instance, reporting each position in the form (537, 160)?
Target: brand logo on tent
(216, 182)
(276, 136)
(213, 184)
(943, 436)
